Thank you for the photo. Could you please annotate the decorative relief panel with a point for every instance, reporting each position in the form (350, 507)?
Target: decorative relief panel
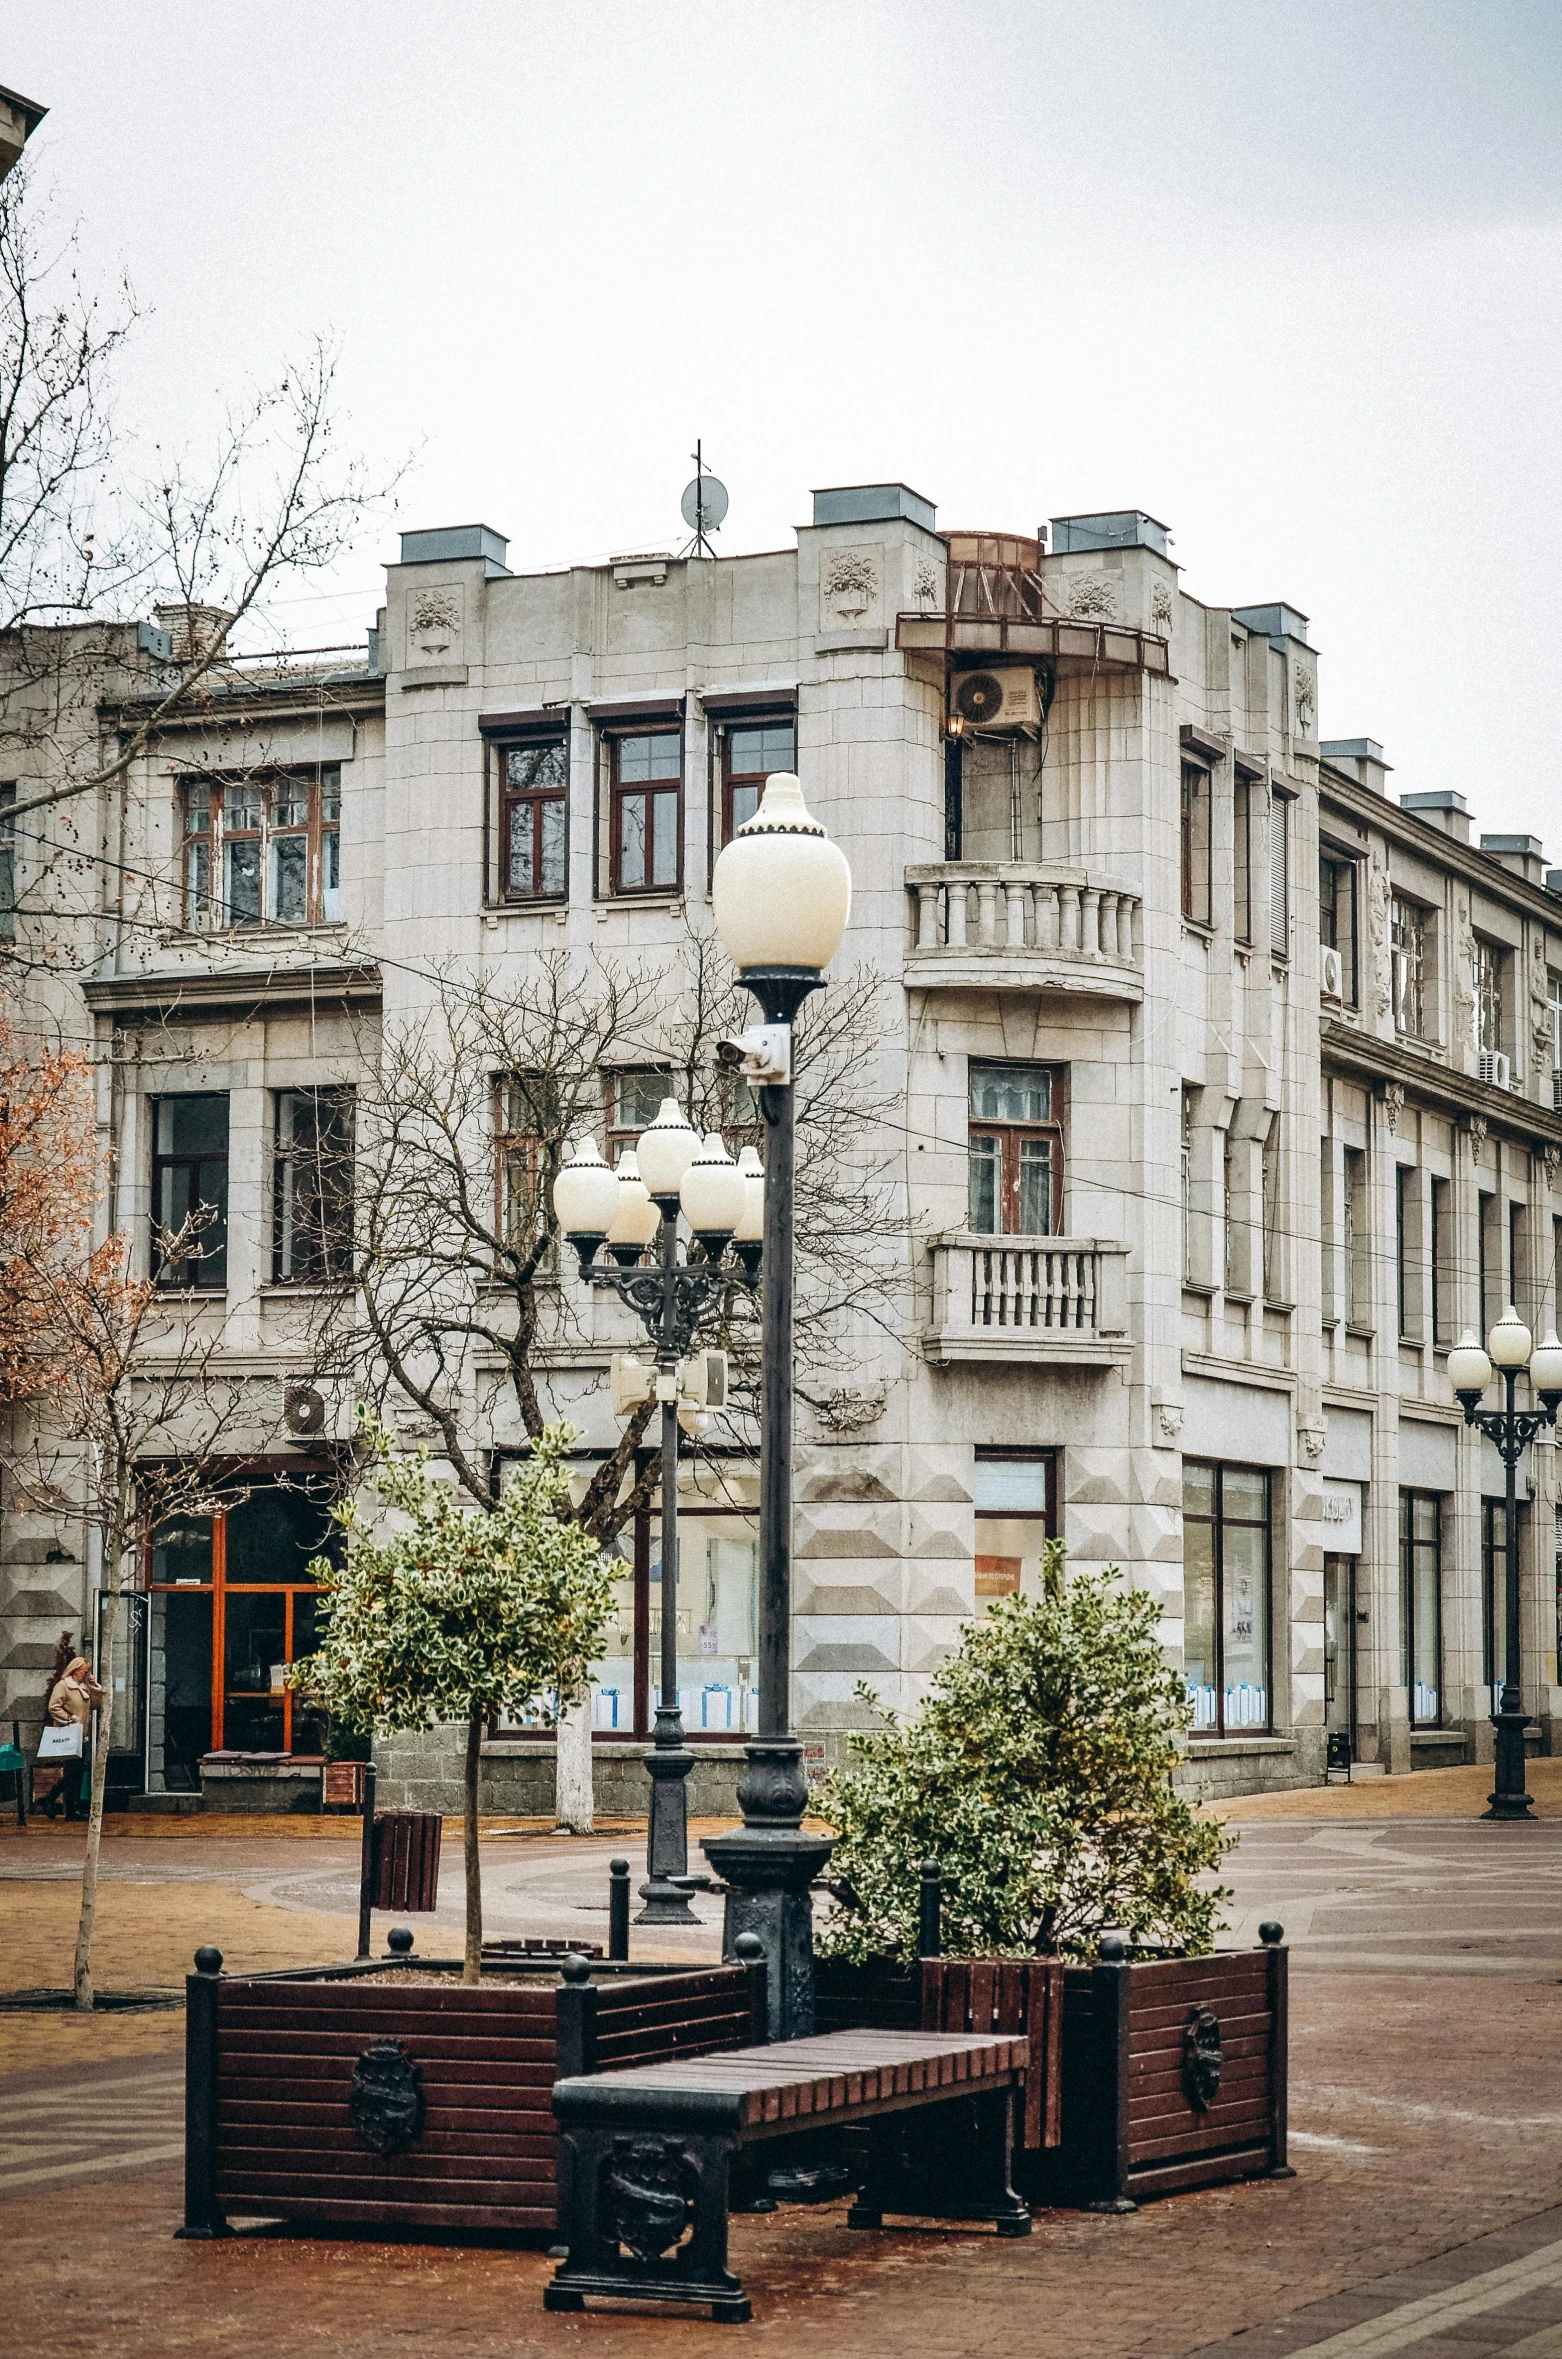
(436, 625)
(850, 587)
(1093, 597)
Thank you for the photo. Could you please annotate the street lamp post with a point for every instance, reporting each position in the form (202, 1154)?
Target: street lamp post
(1512, 1430)
(782, 895)
(670, 1172)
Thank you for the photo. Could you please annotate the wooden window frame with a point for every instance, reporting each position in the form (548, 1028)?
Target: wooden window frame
(170, 1280)
(647, 790)
(320, 830)
(335, 1244)
(1011, 1139)
(620, 1137)
(531, 800)
(762, 717)
(1194, 838)
(219, 1589)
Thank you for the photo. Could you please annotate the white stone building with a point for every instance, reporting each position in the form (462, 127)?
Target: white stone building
(1145, 941)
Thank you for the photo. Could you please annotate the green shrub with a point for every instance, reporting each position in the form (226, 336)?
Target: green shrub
(1038, 1775)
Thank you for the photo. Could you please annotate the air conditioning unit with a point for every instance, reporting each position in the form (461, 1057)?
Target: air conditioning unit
(1008, 699)
(1331, 973)
(1495, 1068)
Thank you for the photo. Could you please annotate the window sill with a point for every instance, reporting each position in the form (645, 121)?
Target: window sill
(1237, 1294)
(658, 900)
(1437, 1736)
(190, 1293)
(1359, 1334)
(1199, 927)
(1282, 1309)
(541, 905)
(267, 929)
(1232, 1748)
(1205, 1291)
(303, 1290)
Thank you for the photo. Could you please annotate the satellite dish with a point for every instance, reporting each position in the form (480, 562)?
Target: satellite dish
(704, 503)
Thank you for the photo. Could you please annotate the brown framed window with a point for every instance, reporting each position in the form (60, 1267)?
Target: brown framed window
(312, 1188)
(534, 822)
(1226, 1574)
(1241, 859)
(1015, 1491)
(264, 849)
(1195, 843)
(647, 821)
(7, 861)
(1016, 1150)
(630, 1101)
(751, 750)
(231, 1608)
(190, 1175)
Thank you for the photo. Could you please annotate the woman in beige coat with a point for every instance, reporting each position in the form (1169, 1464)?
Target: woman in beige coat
(75, 1697)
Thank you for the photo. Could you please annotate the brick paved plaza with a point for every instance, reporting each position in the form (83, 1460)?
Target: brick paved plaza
(1425, 2217)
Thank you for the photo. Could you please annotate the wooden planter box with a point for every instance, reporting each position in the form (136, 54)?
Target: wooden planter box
(1173, 2076)
(960, 1994)
(330, 2095)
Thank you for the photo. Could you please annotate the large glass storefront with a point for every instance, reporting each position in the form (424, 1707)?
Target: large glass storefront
(228, 1609)
(1226, 1571)
(718, 1613)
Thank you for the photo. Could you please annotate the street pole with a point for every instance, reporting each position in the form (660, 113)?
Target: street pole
(769, 1863)
(1510, 1430)
(669, 1761)
(1510, 1798)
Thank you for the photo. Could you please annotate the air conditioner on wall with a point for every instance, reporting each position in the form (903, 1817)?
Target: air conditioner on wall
(1006, 699)
(1331, 973)
(1495, 1068)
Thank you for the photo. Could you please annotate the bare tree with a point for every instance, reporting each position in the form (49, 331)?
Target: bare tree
(146, 1422)
(460, 1269)
(88, 531)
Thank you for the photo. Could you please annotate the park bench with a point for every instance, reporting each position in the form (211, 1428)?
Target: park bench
(645, 2154)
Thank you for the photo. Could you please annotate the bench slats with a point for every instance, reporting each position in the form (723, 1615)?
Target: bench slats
(834, 2072)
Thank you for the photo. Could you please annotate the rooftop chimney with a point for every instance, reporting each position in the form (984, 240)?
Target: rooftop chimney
(1524, 854)
(196, 631)
(1361, 758)
(1445, 810)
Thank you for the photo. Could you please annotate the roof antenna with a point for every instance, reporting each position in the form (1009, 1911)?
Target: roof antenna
(704, 504)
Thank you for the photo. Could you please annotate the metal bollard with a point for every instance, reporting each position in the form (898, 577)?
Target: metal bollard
(618, 1908)
(930, 1912)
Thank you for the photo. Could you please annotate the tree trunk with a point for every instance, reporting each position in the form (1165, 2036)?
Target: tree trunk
(100, 1724)
(472, 1968)
(573, 1800)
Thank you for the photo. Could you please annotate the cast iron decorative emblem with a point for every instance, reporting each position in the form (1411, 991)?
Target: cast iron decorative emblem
(1202, 2058)
(648, 2195)
(386, 2104)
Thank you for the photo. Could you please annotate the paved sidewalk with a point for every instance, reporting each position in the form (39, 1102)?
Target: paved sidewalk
(1426, 2111)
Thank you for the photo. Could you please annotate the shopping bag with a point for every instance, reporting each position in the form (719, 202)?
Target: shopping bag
(60, 1744)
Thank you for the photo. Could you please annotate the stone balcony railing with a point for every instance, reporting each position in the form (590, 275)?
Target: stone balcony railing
(1013, 924)
(1058, 1300)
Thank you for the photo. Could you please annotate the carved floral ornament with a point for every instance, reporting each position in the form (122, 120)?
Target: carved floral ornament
(1093, 597)
(1314, 1440)
(925, 586)
(1161, 605)
(851, 583)
(851, 1407)
(434, 620)
(1393, 1102)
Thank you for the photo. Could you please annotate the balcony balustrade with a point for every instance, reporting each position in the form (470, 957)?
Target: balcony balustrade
(1013, 924)
(1039, 1300)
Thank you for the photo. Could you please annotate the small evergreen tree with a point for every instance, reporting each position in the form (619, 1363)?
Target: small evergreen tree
(449, 1613)
(1038, 1774)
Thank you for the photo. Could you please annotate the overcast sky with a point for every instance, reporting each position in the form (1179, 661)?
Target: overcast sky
(1287, 278)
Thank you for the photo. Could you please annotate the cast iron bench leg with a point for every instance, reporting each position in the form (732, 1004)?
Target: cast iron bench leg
(626, 2199)
(950, 2161)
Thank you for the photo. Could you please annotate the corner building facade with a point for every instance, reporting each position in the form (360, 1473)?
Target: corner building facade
(1222, 1092)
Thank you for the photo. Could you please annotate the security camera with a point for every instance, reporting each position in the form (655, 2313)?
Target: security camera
(763, 1053)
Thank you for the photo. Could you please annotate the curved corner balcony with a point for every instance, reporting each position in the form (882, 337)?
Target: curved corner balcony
(1058, 1301)
(1018, 926)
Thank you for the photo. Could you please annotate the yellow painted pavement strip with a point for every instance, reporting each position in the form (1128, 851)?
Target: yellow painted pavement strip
(1435, 2313)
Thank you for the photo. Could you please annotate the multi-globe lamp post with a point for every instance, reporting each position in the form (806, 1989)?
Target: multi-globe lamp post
(781, 894)
(1511, 1429)
(672, 1171)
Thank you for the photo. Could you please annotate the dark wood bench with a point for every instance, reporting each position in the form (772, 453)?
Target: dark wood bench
(645, 2154)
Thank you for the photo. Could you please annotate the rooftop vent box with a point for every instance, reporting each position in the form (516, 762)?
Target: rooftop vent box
(874, 503)
(1273, 623)
(449, 544)
(1124, 528)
